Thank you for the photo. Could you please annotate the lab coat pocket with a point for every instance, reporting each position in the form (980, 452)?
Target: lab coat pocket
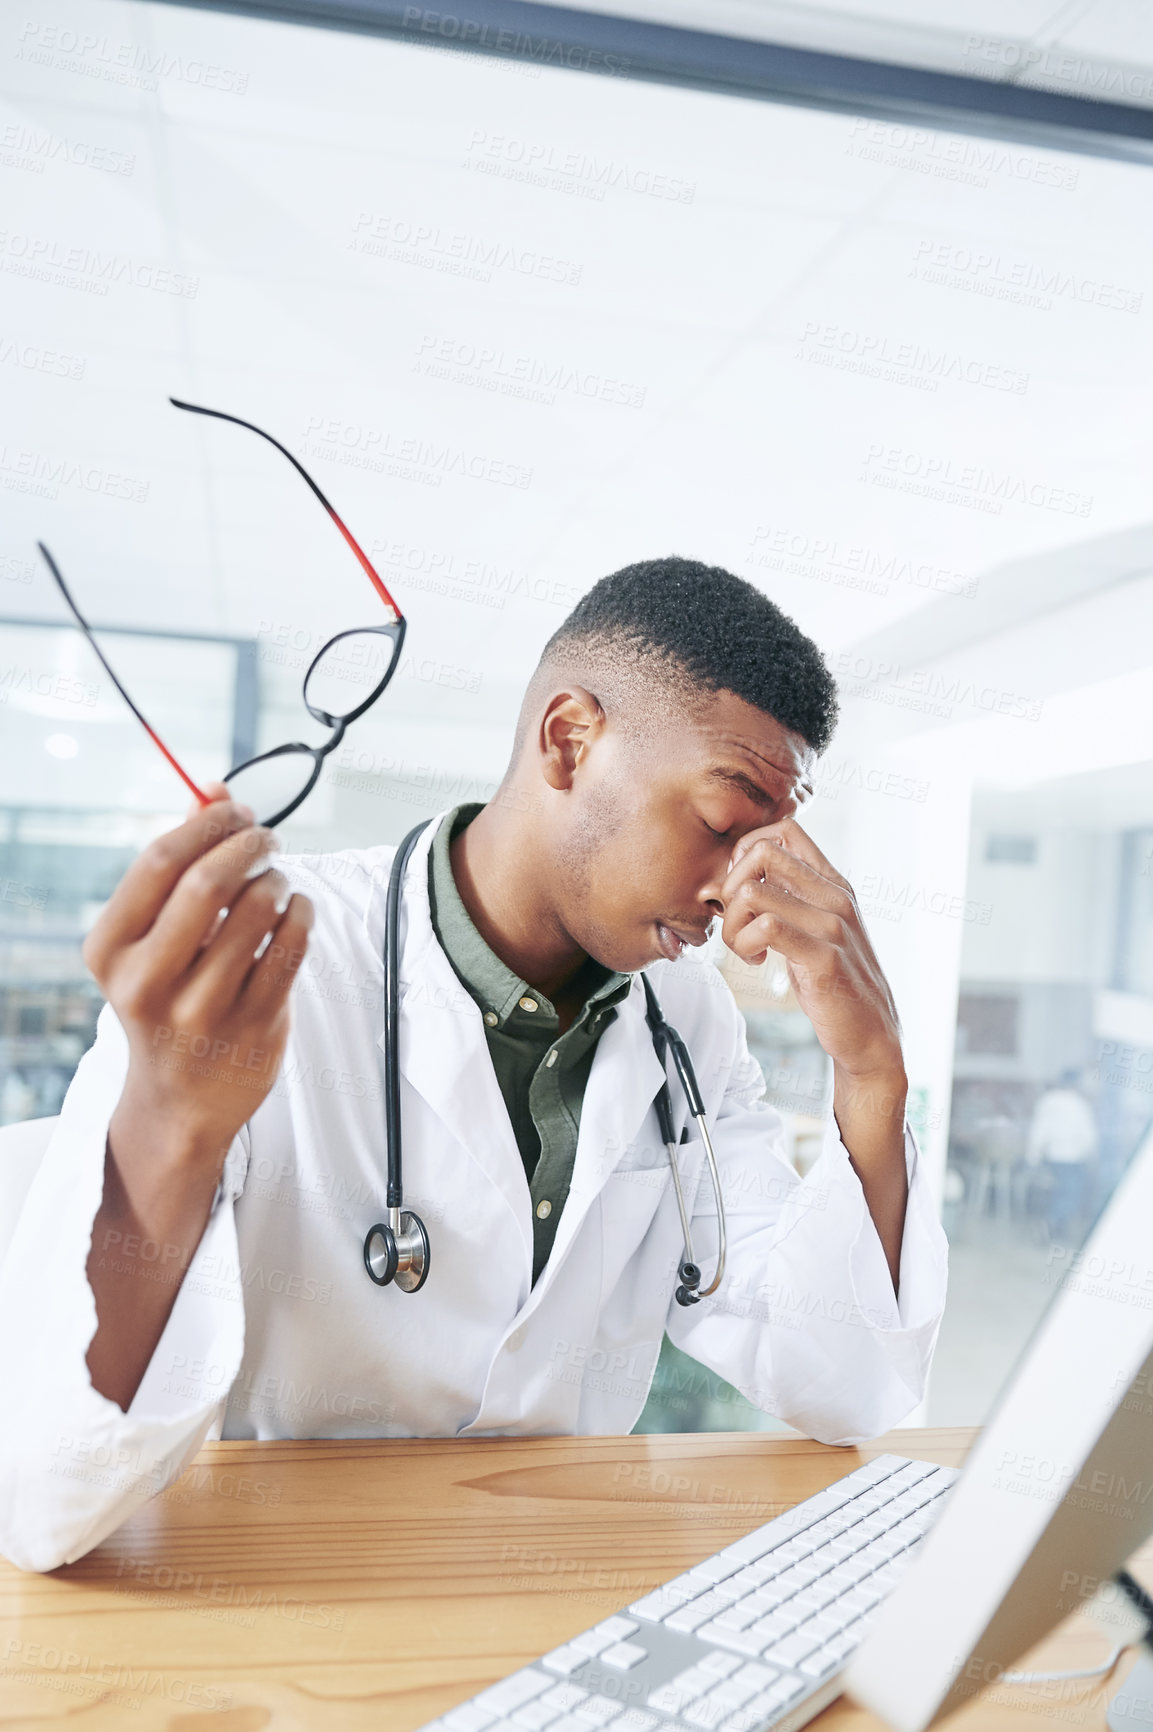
(637, 1210)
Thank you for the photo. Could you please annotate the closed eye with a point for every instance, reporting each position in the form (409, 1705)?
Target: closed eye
(719, 834)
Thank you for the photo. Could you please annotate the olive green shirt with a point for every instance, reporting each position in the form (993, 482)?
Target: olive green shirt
(542, 1073)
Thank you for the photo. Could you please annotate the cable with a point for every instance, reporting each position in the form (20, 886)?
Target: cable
(1060, 1677)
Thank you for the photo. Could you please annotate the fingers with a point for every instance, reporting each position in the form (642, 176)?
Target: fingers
(149, 881)
(798, 843)
(221, 969)
(823, 926)
(215, 791)
(271, 977)
(209, 883)
(767, 864)
(765, 932)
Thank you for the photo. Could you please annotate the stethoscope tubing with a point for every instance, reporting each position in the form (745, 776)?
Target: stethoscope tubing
(406, 1232)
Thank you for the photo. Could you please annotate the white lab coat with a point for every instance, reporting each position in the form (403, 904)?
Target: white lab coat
(278, 1332)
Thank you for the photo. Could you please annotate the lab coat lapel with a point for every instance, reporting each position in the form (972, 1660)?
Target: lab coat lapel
(622, 1085)
(444, 1054)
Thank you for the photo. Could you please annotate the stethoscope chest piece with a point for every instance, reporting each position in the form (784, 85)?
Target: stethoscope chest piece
(398, 1251)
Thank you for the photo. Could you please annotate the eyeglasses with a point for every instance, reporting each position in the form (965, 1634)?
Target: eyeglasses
(344, 678)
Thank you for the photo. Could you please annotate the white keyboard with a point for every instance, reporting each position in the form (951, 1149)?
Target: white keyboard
(754, 1637)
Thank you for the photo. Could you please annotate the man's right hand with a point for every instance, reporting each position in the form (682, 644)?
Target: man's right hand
(206, 1020)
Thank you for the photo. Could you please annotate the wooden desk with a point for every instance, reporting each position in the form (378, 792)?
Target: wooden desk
(349, 1586)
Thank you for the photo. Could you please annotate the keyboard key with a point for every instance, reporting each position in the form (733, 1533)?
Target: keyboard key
(564, 1697)
(564, 1660)
(820, 1664)
(734, 1692)
(804, 1604)
(656, 1606)
(668, 1699)
(766, 1706)
(719, 1664)
(844, 1644)
(740, 1616)
(748, 1719)
(821, 1628)
(617, 1628)
(714, 1569)
(688, 1618)
(598, 1710)
(535, 1715)
(468, 1718)
(773, 1628)
(707, 1713)
(694, 1680)
(780, 1694)
(881, 1467)
(502, 1698)
(756, 1545)
(821, 1593)
(740, 1641)
(790, 1650)
(827, 1555)
(770, 1596)
(623, 1656)
(788, 1553)
(591, 1642)
(635, 1720)
(569, 1723)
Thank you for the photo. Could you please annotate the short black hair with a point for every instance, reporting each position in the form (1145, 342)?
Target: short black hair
(716, 628)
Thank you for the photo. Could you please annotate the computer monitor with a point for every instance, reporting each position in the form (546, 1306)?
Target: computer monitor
(1056, 1493)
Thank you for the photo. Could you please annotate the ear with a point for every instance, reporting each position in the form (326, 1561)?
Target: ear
(573, 719)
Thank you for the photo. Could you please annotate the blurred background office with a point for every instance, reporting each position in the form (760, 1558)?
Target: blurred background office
(528, 316)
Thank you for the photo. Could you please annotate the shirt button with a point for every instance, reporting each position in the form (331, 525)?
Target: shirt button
(551, 1059)
(543, 1209)
(529, 1004)
(491, 1018)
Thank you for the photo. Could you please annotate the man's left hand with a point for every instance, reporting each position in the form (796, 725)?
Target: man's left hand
(781, 894)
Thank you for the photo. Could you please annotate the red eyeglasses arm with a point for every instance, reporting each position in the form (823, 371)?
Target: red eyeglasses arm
(369, 569)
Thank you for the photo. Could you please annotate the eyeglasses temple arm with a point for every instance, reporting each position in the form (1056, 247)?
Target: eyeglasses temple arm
(370, 572)
(87, 630)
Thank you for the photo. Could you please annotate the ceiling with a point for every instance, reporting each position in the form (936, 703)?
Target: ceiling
(526, 326)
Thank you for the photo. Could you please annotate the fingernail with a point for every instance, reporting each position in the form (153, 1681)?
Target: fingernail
(283, 902)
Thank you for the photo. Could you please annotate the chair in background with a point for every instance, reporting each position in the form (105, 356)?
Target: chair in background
(999, 1151)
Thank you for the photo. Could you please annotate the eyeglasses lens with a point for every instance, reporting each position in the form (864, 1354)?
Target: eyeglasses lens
(270, 784)
(348, 671)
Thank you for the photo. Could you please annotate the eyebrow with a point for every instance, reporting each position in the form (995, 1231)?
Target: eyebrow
(745, 783)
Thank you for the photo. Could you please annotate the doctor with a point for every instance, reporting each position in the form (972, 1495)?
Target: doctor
(189, 1263)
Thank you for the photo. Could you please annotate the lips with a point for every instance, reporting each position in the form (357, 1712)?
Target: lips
(674, 940)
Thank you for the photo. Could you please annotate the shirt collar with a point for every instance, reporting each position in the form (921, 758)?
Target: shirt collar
(497, 990)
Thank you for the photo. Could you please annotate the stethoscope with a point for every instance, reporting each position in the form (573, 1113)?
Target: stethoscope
(397, 1249)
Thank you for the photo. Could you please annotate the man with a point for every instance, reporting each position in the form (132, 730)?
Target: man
(192, 1249)
(1062, 1141)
